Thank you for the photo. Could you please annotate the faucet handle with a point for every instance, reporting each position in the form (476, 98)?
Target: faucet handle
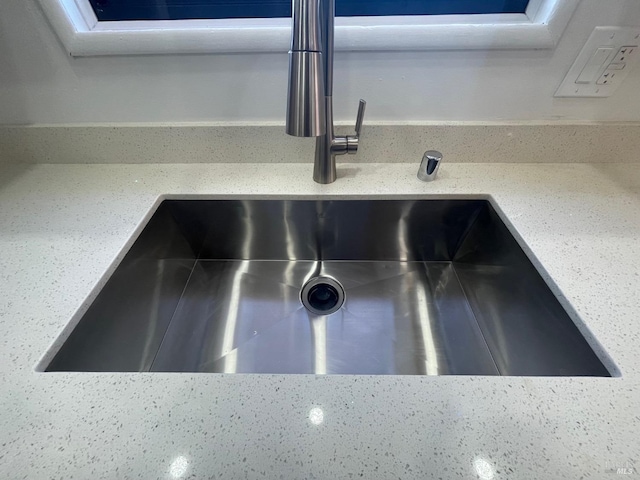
(353, 140)
(360, 117)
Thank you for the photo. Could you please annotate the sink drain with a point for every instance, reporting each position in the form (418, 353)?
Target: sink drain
(322, 295)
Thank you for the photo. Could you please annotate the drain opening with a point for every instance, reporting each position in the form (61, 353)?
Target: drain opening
(322, 295)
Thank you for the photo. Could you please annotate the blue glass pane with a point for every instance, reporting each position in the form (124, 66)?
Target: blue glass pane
(113, 10)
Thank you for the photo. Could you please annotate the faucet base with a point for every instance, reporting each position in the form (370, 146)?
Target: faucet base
(325, 174)
(324, 166)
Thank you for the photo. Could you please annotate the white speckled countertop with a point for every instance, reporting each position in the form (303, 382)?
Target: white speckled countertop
(63, 226)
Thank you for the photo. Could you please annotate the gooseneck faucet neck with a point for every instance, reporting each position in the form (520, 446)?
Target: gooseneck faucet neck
(310, 102)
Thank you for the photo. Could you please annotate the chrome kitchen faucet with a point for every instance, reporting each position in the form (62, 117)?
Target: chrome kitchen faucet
(310, 101)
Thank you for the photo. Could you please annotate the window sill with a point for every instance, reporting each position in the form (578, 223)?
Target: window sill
(82, 35)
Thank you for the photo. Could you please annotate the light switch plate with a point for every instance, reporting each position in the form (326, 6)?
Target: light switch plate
(599, 70)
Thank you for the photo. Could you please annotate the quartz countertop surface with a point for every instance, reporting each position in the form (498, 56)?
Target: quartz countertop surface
(63, 228)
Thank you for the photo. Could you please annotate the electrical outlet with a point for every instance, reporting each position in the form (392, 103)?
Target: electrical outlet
(625, 54)
(604, 62)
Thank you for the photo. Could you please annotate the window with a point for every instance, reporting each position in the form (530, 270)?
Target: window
(127, 10)
(536, 24)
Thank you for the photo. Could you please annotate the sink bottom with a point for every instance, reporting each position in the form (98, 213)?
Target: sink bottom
(398, 318)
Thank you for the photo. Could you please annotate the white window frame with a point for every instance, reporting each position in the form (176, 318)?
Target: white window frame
(83, 35)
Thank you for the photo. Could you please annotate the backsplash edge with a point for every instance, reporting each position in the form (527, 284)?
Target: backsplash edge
(381, 143)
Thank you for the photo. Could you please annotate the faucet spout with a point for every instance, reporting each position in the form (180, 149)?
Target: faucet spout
(306, 113)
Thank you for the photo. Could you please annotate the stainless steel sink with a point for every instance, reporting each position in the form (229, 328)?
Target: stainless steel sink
(429, 287)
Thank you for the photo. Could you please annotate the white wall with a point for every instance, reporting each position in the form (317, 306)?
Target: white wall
(40, 83)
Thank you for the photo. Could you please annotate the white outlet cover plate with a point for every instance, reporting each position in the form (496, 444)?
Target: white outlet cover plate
(614, 37)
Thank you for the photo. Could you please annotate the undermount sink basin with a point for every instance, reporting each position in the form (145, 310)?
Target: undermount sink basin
(419, 287)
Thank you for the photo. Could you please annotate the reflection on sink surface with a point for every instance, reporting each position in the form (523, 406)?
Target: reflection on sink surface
(431, 287)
